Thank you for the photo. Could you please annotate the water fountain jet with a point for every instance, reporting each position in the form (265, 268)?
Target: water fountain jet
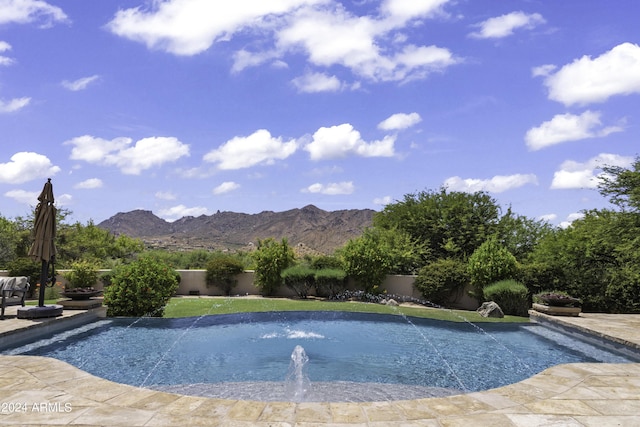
(298, 383)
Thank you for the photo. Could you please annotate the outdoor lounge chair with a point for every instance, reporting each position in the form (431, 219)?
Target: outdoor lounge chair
(14, 291)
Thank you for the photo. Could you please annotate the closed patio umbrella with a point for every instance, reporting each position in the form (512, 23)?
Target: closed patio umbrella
(44, 233)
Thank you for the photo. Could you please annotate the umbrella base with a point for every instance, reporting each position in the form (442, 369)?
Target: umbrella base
(37, 312)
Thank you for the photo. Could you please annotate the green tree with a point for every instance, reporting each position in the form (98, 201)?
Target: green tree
(442, 280)
(490, 263)
(366, 259)
(448, 224)
(222, 271)
(271, 258)
(622, 186)
(520, 235)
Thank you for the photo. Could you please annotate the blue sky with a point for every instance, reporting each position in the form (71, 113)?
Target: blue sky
(187, 107)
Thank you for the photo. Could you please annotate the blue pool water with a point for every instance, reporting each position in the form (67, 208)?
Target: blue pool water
(342, 347)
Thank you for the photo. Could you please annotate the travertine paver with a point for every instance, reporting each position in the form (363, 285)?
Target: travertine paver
(46, 392)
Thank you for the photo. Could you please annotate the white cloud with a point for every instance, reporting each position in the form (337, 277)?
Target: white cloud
(165, 195)
(568, 127)
(13, 105)
(548, 217)
(382, 200)
(176, 212)
(258, 148)
(400, 121)
(587, 80)
(574, 174)
(226, 187)
(80, 84)
(89, 184)
(332, 189)
(25, 197)
(130, 159)
(543, 70)
(5, 60)
(504, 25)
(497, 184)
(26, 166)
(570, 218)
(342, 140)
(26, 11)
(317, 82)
(323, 30)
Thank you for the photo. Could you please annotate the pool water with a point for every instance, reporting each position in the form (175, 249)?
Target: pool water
(342, 347)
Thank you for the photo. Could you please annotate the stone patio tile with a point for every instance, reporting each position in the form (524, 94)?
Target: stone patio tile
(178, 419)
(414, 409)
(245, 410)
(345, 412)
(381, 411)
(279, 412)
(30, 417)
(469, 404)
(155, 401)
(214, 408)
(442, 407)
(313, 412)
(617, 392)
(553, 383)
(183, 405)
(494, 400)
(581, 393)
(610, 421)
(114, 416)
(477, 420)
(432, 422)
(94, 388)
(561, 407)
(537, 420)
(616, 407)
(522, 393)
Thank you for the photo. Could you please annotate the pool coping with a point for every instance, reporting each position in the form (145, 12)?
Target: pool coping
(51, 392)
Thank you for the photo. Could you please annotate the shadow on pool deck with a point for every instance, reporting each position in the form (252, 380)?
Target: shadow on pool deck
(44, 391)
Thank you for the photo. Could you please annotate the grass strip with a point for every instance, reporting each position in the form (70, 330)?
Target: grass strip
(198, 306)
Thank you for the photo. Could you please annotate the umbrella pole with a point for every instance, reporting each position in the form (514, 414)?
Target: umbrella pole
(44, 272)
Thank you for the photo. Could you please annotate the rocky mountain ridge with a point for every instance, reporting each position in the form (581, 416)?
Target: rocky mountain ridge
(310, 228)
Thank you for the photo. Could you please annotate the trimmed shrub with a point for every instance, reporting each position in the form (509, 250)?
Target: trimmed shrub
(222, 271)
(490, 263)
(29, 268)
(141, 288)
(271, 258)
(442, 280)
(83, 274)
(510, 295)
(330, 282)
(325, 262)
(299, 278)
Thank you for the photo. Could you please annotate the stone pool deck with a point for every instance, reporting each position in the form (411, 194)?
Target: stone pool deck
(47, 392)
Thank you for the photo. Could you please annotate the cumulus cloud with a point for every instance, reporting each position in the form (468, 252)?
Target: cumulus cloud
(570, 218)
(27, 11)
(80, 84)
(5, 60)
(13, 105)
(25, 197)
(331, 189)
(176, 212)
(317, 82)
(26, 166)
(226, 187)
(343, 140)
(589, 80)
(574, 174)
(400, 121)
(165, 195)
(497, 184)
(382, 201)
(258, 148)
(548, 217)
(89, 184)
(504, 25)
(323, 30)
(130, 159)
(568, 127)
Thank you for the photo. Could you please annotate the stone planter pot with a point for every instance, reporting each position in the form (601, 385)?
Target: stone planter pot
(81, 294)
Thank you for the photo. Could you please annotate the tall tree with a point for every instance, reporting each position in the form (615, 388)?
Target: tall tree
(622, 186)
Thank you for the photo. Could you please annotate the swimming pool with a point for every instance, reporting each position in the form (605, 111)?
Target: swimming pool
(221, 353)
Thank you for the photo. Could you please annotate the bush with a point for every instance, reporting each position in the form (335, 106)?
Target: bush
(511, 296)
(83, 274)
(141, 288)
(299, 278)
(271, 258)
(330, 282)
(441, 280)
(490, 263)
(325, 261)
(222, 271)
(26, 267)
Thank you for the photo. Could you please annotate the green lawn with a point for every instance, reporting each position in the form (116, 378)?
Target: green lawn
(196, 306)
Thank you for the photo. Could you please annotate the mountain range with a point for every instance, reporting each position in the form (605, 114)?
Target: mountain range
(308, 230)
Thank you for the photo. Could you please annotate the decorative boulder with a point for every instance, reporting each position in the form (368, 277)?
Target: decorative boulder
(490, 309)
(391, 302)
